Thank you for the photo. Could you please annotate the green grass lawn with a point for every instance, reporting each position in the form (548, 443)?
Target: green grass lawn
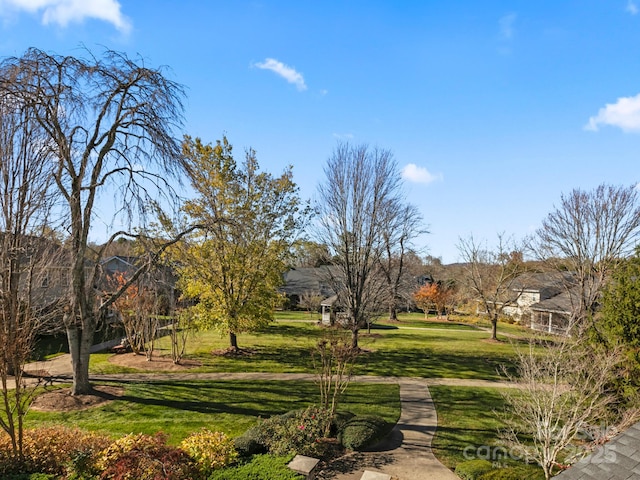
(468, 426)
(411, 347)
(466, 420)
(390, 350)
(178, 408)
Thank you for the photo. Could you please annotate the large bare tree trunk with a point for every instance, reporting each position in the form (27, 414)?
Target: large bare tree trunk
(79, 348)
(359, 203)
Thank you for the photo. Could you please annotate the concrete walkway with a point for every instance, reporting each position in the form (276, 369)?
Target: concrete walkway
(405, 455)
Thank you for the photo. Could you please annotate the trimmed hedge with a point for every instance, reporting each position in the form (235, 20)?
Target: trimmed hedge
(473, 469)
(250, 442)
(294, 432)
(363, 431)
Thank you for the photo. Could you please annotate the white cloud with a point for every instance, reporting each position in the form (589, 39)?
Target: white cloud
(416, 174)
(507, 25)
(624, 114)
(632, 8)
(343, 136)
(63, 12)
(286, 72)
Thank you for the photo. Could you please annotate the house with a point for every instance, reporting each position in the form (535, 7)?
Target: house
(159, 279)
(119, 264)
(618, 459)
(543, 300)
(553, 315)
(300, 281)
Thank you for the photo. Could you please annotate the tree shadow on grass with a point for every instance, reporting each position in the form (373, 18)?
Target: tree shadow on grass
(427, 364)
(264, 358)
(251, 398)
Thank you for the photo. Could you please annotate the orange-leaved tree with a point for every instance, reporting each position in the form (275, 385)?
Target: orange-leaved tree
(435, 295)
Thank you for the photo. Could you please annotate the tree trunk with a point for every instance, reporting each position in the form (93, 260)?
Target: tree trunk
(494, 327)
(233, 341)
(80, 349)
(393, 313)
(354, 338)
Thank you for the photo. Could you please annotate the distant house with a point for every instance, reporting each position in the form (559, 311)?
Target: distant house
(159, 279)
(119, 264)
(618, 459)
(543, 301)
(300, 281)
(553, 315)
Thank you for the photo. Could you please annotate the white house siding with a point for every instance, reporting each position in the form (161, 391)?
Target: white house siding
(523, 302)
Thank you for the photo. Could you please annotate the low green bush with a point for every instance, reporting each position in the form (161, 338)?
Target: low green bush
(295, 432)
(260, 467)
(363, 431)
(250, 442)
(473, 469)
(521, 472)
(340, 419)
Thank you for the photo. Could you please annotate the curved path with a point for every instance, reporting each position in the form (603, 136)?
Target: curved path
(405, 455)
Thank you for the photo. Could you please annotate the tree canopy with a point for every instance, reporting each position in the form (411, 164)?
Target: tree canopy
(358, 204)
(234, 265)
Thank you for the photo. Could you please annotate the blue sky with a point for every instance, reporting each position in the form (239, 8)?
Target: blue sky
(493, 109)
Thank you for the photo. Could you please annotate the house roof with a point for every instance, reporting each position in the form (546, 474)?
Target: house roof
(328, 302)
(301, 280)
(618, 459)
(562, 303)
(538, 281)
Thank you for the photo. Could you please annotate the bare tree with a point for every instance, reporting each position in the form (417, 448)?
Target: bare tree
(334, 359)
(489, 275)
(25, 200)
(108, 123)
(138, 311)
(362, 187)
(310, 300)
(180, 329)
(586, 235)
(403, 226)
(561, 397)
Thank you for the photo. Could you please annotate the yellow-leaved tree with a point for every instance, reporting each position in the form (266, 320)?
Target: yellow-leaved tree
(232, 267)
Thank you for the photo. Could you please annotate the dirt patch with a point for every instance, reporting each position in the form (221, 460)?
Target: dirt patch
(61, 400)
(156, 364)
